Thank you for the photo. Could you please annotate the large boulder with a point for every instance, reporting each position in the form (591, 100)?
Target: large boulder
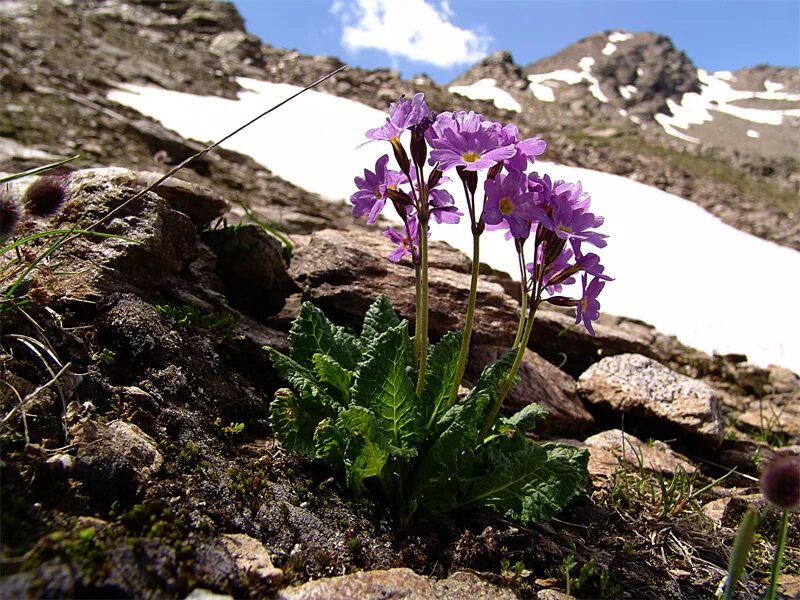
(646, 390)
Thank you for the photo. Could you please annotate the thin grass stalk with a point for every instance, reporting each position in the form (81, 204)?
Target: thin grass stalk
(778, 561)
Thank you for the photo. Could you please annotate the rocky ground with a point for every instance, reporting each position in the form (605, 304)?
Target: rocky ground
(137, 460)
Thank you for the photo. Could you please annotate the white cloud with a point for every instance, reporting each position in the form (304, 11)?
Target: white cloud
(414, 29)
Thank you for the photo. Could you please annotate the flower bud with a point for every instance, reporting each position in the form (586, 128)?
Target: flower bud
(400, 155)
(780, 482)
(494, 170)
(419, 149)
(470, 179)
(399, 197)
(434, 178)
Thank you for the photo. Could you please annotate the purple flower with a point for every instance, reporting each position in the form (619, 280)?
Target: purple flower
(563, 208)
(371, 195)
(525, 151)
(407, 241)
(588, 308)
(472, 150)
(508, 201)
(402, 115)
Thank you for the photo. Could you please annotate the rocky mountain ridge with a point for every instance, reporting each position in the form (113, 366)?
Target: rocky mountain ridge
(59, 58)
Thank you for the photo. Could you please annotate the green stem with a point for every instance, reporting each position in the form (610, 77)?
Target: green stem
(523, 283)
(417, 323)
(512, 373)
(422, 294)
(776, 564)
(463, 354)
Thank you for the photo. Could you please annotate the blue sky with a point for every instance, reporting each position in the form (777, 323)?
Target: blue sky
(442, 38)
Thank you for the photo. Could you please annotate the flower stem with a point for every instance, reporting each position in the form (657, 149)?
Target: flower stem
(465, 338)
(512, 373)
(422, 299)
(523, 283)
(417, 323)
(776, 563)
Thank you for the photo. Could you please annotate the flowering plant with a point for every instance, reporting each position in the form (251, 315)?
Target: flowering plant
(384, 406)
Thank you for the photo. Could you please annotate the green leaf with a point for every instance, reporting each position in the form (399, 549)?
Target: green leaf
(383, 386)
(292, 425)
(367, 449)
(530, 482)
(329, 443)
(457, 443)
(313, 333)
(493, 375)
(440, 376)
(380, 317)
(316, 399)
(331, 372)
(525, 419)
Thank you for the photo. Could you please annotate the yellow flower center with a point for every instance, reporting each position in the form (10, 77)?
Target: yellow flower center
(470, 157)
(506, 205)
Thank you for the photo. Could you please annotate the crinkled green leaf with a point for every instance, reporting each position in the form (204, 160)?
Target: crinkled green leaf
(331, 372)
(383, 386)
(525, 419)
(313, 333)
(292, 425)
(493, 375)
(530, 482)
(367, 448)
(457, 442)
(329, 443)
(315, 398)
(380, 317)
(440, 376)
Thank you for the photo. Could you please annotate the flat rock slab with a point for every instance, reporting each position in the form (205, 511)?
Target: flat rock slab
(611, 449)
(632, 383)
(397, 583)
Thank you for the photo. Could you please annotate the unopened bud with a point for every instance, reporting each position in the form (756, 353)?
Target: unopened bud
(470, 179)
(494, 171)
(419, 149)
(434, 178)
(399, 196)
(400, 155)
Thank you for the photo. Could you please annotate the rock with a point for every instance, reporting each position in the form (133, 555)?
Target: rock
(553, 595)
(611, 449)
(114, 460)
(252, 558)
(204, 594)
(201, 204)
(397, 583)
(252, 266)
(642, 388)
(343, 272)
(237, 47)
(769, 419)
(541, 383)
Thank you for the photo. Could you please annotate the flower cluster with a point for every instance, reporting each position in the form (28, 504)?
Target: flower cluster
(554, 215)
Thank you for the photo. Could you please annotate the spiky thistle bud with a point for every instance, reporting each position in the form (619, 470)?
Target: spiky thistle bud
(10, 213)
(45, 196)
(780, 482)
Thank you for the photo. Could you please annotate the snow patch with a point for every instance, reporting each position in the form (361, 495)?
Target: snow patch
(486, 89)
(609, 49)
(772, 86)
(627, 91)
(619, 36)
(543, 92)
(724, 75)
(716, 94)
(752, 133)
(314, 143)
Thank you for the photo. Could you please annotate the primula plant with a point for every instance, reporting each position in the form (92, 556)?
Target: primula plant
(384, 407)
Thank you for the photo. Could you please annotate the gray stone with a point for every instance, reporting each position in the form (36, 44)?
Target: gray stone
(637, 385)
(397, 583)
(252, 558)
(611, 449)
